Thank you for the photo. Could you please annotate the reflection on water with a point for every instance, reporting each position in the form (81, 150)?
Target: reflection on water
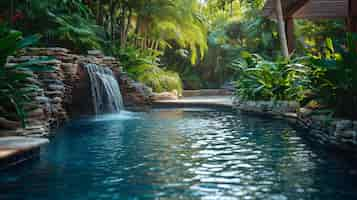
(180, 154)
(123, 115)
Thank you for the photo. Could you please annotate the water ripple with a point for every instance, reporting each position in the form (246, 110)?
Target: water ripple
(181, 154)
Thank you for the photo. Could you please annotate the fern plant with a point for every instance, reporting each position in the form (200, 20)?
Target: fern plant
(76, 32)
(15, 88)
(158, 79)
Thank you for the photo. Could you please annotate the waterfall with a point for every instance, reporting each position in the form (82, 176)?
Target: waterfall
(105, 90)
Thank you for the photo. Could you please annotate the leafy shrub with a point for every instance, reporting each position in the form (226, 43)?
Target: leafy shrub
(14, 87)
(158, 79)
(260, 79)
(76, 32)
(144, 67)
(334, 76)
(64, 23)
(130, 57)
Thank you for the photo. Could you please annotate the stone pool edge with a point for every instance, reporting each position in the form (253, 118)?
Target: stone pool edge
(16, 150)
(338, 134)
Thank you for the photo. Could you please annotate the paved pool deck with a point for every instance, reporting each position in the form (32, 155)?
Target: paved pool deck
(14, 150)
(216, 101)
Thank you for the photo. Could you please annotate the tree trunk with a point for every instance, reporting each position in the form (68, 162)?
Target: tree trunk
(152, 45)
(121, 25)
(113, 7)
(12, 11)
(231, 8)
(282, 32)
(111, 13)
(126, 29)
(98, 11)
(157, 45)
(138, 24)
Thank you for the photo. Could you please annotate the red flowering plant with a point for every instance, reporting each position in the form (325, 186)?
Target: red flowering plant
(17, 17)
(88, 2)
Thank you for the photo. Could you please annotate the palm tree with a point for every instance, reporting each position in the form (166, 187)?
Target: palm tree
(161, 21)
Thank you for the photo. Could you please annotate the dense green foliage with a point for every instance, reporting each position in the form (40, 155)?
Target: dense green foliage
(192, 44)
(66, 23)
(260, 79)
(311, 35)
(334, 76)
(110, 25)
(144, 66)
(15, 89)
(233, 26)
(327, 76)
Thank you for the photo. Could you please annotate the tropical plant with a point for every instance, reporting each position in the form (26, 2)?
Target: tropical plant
(143, 65)
(334, 76)
(260, 79)
(66, 23)
(15, 89)
(158, 79)
(130, 56)
(76, 32)
(177, 21)
(313, 34)
(231, 30)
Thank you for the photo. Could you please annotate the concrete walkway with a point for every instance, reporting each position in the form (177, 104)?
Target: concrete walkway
(216, 101)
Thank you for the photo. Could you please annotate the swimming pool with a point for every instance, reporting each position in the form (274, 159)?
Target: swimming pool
(173, 154)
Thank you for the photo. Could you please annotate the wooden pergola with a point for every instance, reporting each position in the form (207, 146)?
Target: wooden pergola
(311, 9)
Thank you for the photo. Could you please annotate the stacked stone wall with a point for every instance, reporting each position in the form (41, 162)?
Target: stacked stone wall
(340, 134)
(63, 90)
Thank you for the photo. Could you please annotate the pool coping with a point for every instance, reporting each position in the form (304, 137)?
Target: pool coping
(224, 101)
(16, 150)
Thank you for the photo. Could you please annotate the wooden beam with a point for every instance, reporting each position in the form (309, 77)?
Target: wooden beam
(295, 7)
(281, 24)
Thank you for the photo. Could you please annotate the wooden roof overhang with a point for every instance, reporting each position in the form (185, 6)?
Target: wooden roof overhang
(310, 9)
(313, 9)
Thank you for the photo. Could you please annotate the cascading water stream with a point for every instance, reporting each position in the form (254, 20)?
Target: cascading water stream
(105, 90)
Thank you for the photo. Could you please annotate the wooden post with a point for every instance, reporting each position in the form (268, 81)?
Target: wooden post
(282, 32)
(352, 16)
(289, 22)
(290, 34)
(12, 11)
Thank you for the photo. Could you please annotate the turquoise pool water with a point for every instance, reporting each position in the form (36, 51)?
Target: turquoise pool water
(180, 154)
